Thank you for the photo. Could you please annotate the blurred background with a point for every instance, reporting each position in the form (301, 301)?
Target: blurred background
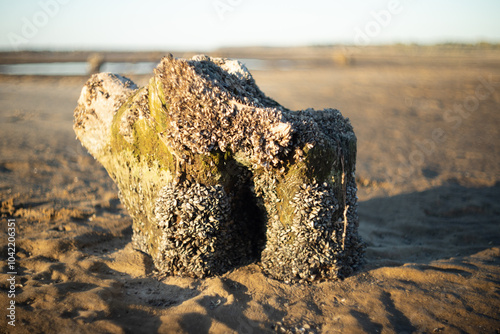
(150, 28)
(68, 25)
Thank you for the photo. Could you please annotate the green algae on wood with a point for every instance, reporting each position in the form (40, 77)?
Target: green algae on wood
(215, 174)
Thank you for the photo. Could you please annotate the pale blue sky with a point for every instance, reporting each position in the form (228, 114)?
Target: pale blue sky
(208, 24)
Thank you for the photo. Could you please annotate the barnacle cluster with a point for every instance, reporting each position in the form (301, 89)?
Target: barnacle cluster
(199, 237)
(215, 174)
(100, 97)
(210, 108)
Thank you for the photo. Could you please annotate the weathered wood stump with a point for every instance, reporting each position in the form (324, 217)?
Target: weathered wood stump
(215, 174)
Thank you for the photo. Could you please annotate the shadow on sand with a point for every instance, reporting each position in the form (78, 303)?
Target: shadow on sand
(419, 228)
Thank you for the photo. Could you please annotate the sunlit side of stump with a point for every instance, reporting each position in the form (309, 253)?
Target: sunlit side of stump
(215, 174)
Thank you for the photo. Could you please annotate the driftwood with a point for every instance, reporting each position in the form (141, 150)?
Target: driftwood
(215, 174)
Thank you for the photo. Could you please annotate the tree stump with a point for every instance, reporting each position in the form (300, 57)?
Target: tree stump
(215, 174)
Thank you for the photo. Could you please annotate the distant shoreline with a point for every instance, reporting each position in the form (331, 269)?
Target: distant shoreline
(305, 52)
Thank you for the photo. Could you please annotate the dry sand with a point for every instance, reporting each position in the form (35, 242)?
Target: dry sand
(429, 203)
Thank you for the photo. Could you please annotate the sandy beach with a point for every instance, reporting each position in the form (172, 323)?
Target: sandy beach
(428, 171)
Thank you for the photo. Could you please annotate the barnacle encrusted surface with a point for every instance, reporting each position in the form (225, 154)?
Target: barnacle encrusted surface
(215, 174)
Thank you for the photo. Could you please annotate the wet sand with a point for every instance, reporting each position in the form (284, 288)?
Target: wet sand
(428, 174)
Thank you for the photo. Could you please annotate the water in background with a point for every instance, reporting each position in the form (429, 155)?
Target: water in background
(138, 68)
(76, 68)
